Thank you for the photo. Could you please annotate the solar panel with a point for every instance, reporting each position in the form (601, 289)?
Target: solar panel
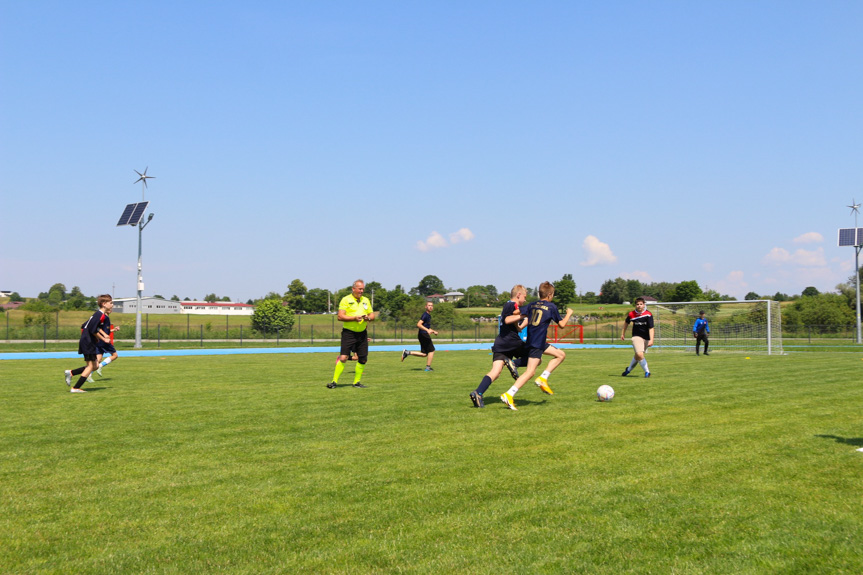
(133, 214)
(850, 237)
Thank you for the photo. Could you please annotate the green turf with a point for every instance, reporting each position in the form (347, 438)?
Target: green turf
(248, 464)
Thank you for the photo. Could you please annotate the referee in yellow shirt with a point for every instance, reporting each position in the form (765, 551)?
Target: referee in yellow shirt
(355, 311)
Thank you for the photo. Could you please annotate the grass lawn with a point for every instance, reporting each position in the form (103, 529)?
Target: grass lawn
(248, 464)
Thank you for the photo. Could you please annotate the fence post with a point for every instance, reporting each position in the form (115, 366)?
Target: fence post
(452, 331)
(202, 335)
(313, 334)
(226, 329)
(241, 336)
(158, 335)
(44, 336)
(57, 330)
(188, 321)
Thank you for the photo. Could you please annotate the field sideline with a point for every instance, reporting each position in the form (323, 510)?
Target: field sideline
(248, 464)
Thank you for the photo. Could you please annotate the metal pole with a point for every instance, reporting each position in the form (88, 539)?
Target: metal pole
(857, 278)
(140, 289)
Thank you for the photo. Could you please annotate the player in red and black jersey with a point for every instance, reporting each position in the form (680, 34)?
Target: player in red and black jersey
(91, 335)
(642, 335)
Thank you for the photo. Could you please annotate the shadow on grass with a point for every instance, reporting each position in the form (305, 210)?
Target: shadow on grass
(855, 441)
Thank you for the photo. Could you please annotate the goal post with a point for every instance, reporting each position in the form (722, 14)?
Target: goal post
(751, 326)
(572, 333)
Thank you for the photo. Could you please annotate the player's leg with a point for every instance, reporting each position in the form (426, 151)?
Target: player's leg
(706, 343)
(530, 370)
(496, 368)
(558, 356)
(640, 346)
(429, 359)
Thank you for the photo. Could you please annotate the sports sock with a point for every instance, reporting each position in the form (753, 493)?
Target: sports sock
(633, 363)
(81, 381)
(545, 374)
(484, 385)
(513, 390)
(340, 367)
(105, 362)
(78, 371)
(643, 364)
(358, 373)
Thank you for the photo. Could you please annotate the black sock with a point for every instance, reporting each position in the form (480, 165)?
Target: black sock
(81, 381)
(484, 385)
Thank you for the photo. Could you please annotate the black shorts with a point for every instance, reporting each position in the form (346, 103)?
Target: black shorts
(426, 345)
(508, 347)
(536, 352)
(355, 341)
(89, 357)
(106, 348)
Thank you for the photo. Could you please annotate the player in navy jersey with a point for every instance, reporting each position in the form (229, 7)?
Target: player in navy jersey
(642, 335)
(106, 348)
(507, 344)
(539, 315)
(424, 333)
(91, 333)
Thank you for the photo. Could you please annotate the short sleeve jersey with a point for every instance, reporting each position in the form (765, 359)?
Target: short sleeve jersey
(642, 323)
(508, 330)
(426, 321)
(87, 344)
(540, 314)
(354, 308)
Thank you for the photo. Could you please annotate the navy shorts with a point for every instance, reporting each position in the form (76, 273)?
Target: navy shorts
(106, 348)
(536, 352)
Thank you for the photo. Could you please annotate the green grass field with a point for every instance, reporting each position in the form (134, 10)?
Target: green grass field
(248, 464)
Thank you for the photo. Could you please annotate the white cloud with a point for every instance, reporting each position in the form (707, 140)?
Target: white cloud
(805, 258)
(598, 253)
(734, 283)
(708, 267)
(435, 240)
(638, 275)
(463, 235)
(776, 256)
(809, 238)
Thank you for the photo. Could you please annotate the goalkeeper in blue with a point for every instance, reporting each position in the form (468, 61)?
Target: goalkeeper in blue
(700, 332)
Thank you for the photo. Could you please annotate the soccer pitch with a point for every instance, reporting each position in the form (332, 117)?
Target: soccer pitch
(248, 464)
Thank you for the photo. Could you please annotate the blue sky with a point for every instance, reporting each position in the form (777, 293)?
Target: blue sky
(482, 142)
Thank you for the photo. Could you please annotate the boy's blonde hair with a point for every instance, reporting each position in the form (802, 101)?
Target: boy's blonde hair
(517, 289)
(103, 299)
(546, 289)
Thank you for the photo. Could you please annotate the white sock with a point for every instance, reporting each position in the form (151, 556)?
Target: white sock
(512, 390)
(643, 364)
(545, 375)
(632, 364)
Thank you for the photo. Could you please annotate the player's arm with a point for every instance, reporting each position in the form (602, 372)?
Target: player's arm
(562, 323)
(650, 343)
(625, 325)
(522, 324)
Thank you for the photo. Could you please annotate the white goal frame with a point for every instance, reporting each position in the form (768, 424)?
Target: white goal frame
(748, 326)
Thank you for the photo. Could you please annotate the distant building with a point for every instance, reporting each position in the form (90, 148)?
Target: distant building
(216, 308)
(449, 297)
(148, 305)
(159, 305)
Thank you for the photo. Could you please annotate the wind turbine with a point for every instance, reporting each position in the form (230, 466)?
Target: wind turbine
(143, 178)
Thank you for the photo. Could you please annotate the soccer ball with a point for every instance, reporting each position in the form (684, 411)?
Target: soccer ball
(605, 393)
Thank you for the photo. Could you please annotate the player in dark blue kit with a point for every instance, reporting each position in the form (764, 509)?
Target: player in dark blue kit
(507, 344)
(539, 315)
(106, 348)
(91, 333)
(424, 334)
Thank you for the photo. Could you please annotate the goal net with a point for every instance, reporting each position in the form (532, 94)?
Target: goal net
(735, 326)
